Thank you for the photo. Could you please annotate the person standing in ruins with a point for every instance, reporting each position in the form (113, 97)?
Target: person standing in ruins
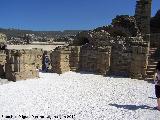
(157, 84)
(46, 63)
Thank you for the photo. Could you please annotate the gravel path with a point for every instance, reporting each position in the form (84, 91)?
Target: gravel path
(78, 96)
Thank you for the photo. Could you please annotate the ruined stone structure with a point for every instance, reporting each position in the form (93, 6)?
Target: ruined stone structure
(2, 63)
(64, 59)
(84, 58)
(143, 15)
(3, 39)
(21, 64)
(95, 59)
(139, 60)
(120, 56)
(123, 48)
(117, 49)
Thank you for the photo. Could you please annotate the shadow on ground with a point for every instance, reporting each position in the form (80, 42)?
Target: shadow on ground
(133, 107)
(152, 98)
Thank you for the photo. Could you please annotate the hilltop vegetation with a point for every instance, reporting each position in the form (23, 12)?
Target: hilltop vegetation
(18, 33)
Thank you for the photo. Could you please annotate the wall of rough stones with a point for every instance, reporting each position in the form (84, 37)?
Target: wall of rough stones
(120, 63)
(139, 61)
(65, 58)
(3, 38)
(20, 64)
(143, 15)
(2, 63)
(95, 59)
(84, 58)
(74, 58)
(126, 54)
(122, 59)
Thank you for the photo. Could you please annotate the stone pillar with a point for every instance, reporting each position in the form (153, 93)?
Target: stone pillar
(2, 63)
(139, 62)
(103, 62)
(20, 65)
(143, 15)
(60, 60)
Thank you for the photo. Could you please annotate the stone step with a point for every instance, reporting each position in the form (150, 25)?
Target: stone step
(153, 48)
(150, 72)
(149, 79)
(73, 68)
(149, 76)
(152, 63)
(151, 68)
(152, 59)
(151, 52)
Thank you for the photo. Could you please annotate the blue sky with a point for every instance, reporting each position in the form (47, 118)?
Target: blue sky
(64, 14)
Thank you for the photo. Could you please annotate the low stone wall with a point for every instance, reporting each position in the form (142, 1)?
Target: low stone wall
(84, 58)
(120, 63)
(74, 58)
(38, 53)
(20, 64)
(95, 59)
(2, 63)
(130, 60)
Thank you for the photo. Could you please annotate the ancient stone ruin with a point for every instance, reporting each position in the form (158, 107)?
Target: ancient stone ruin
(21, 64)
(121, 48)
(128, 47)
(3, 39)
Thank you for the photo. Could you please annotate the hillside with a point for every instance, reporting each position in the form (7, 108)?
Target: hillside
(18, 32)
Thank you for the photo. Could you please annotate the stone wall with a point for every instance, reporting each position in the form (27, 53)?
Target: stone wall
(20, 64)
(85, 58)
(74, 58)
(124, 56)
(38, 53)
(120, 63)
(95, 59)
(143, 15)
(3, 38)
(65, 58)
(139, 61)
(2, 63)
(129, 56)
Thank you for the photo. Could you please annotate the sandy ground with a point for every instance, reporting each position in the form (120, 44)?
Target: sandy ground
(75, 96)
